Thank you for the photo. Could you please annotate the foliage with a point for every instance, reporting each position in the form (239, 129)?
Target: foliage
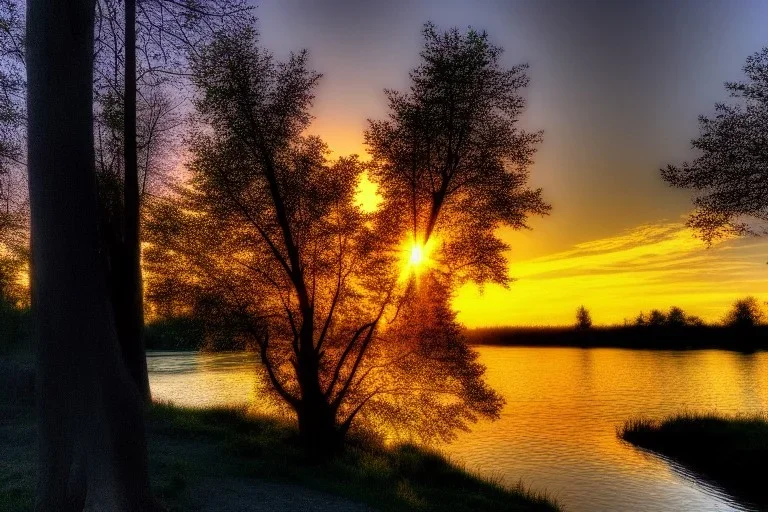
(13, 202)
(583, 318)
(746, 312)
(192, 332)
(675, 317)
(731, 171)
(450, 161)
(166, 33)
(14, 258)
(15, 327)
(12, 96)
(268, 231)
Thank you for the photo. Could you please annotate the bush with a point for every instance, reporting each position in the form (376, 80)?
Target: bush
(583, 319)
(14, 327)
(746, 312)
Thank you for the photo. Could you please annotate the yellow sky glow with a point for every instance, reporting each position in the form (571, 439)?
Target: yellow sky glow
(650, 266)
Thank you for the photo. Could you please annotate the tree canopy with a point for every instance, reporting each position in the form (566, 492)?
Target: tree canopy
(731, 172)
(268, 233)
(451, 158)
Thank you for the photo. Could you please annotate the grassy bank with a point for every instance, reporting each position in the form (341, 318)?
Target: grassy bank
(731, 451)
(646, 337)
(197, 452)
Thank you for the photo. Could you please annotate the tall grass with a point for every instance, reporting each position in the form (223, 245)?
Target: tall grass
(730, 450)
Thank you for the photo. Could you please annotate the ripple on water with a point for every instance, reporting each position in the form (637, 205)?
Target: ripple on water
(558, 429)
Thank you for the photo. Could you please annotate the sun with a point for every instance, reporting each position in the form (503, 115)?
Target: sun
(417, 255)
(415, 258)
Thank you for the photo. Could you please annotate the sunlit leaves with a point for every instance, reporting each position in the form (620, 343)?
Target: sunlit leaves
(451, 159)
(269, 237)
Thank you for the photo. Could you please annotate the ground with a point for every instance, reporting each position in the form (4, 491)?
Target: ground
(227, 460)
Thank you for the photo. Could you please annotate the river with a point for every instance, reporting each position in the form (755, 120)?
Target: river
(557, 431)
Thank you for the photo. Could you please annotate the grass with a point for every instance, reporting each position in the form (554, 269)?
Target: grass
(644, 337)
(189, 446)
(730, 451)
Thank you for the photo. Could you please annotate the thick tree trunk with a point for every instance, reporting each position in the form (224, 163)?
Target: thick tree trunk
(317, 420)
(90, 427)
(127, 294)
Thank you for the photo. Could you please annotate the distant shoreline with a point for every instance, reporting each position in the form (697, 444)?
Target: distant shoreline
(642, 337)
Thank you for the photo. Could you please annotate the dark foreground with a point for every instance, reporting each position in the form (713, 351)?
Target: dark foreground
(224, 460)
(662, 338)
(729, 451)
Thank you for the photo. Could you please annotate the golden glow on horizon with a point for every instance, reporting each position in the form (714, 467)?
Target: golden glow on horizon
(650, 267)
(653, 266)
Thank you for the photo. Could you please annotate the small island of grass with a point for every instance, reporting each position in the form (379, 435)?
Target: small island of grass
(730, 451)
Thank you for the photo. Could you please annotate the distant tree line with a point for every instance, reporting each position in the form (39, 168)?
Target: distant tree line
(745, 312)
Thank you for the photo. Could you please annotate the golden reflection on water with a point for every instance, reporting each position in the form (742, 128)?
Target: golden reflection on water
(557, 430)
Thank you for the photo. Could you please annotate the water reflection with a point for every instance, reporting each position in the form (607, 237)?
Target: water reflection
(203, 380)
(557, 430)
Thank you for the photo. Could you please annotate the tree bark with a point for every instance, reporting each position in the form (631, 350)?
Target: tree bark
(127, 295)
(316, 417)
(92, 448)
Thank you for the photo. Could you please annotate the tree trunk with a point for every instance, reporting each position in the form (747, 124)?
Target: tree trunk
(127, 295)
(89, 411)
(317, 421)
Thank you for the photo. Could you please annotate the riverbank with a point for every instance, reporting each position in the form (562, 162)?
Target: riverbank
(730, 451)
(225, 459)
(644, 337)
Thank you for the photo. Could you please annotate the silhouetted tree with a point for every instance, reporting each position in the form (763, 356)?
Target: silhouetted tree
(141, 51)
(583, 319)
(676, 317)
(12, 94)
(13, 204)
(91, 433)
(13, 258)
(270, 229)
(745, 312)
(450, 158)
(731, 172)
(656, 318)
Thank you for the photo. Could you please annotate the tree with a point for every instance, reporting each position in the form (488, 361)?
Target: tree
(268, 233)
(731, 172)
(656, 318)
(12, 94)
(13, 206)
(450, 158)
(676, 317)
(583, 319)
(91, 433)
(162, 33)
(745, 312)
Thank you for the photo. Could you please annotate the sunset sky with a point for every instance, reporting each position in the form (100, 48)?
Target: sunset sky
(616, 86)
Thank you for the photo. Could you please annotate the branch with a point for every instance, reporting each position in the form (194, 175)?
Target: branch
(344, 355)
(270, 371)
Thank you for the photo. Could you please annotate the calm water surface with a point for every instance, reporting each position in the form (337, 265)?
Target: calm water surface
(558, 429)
